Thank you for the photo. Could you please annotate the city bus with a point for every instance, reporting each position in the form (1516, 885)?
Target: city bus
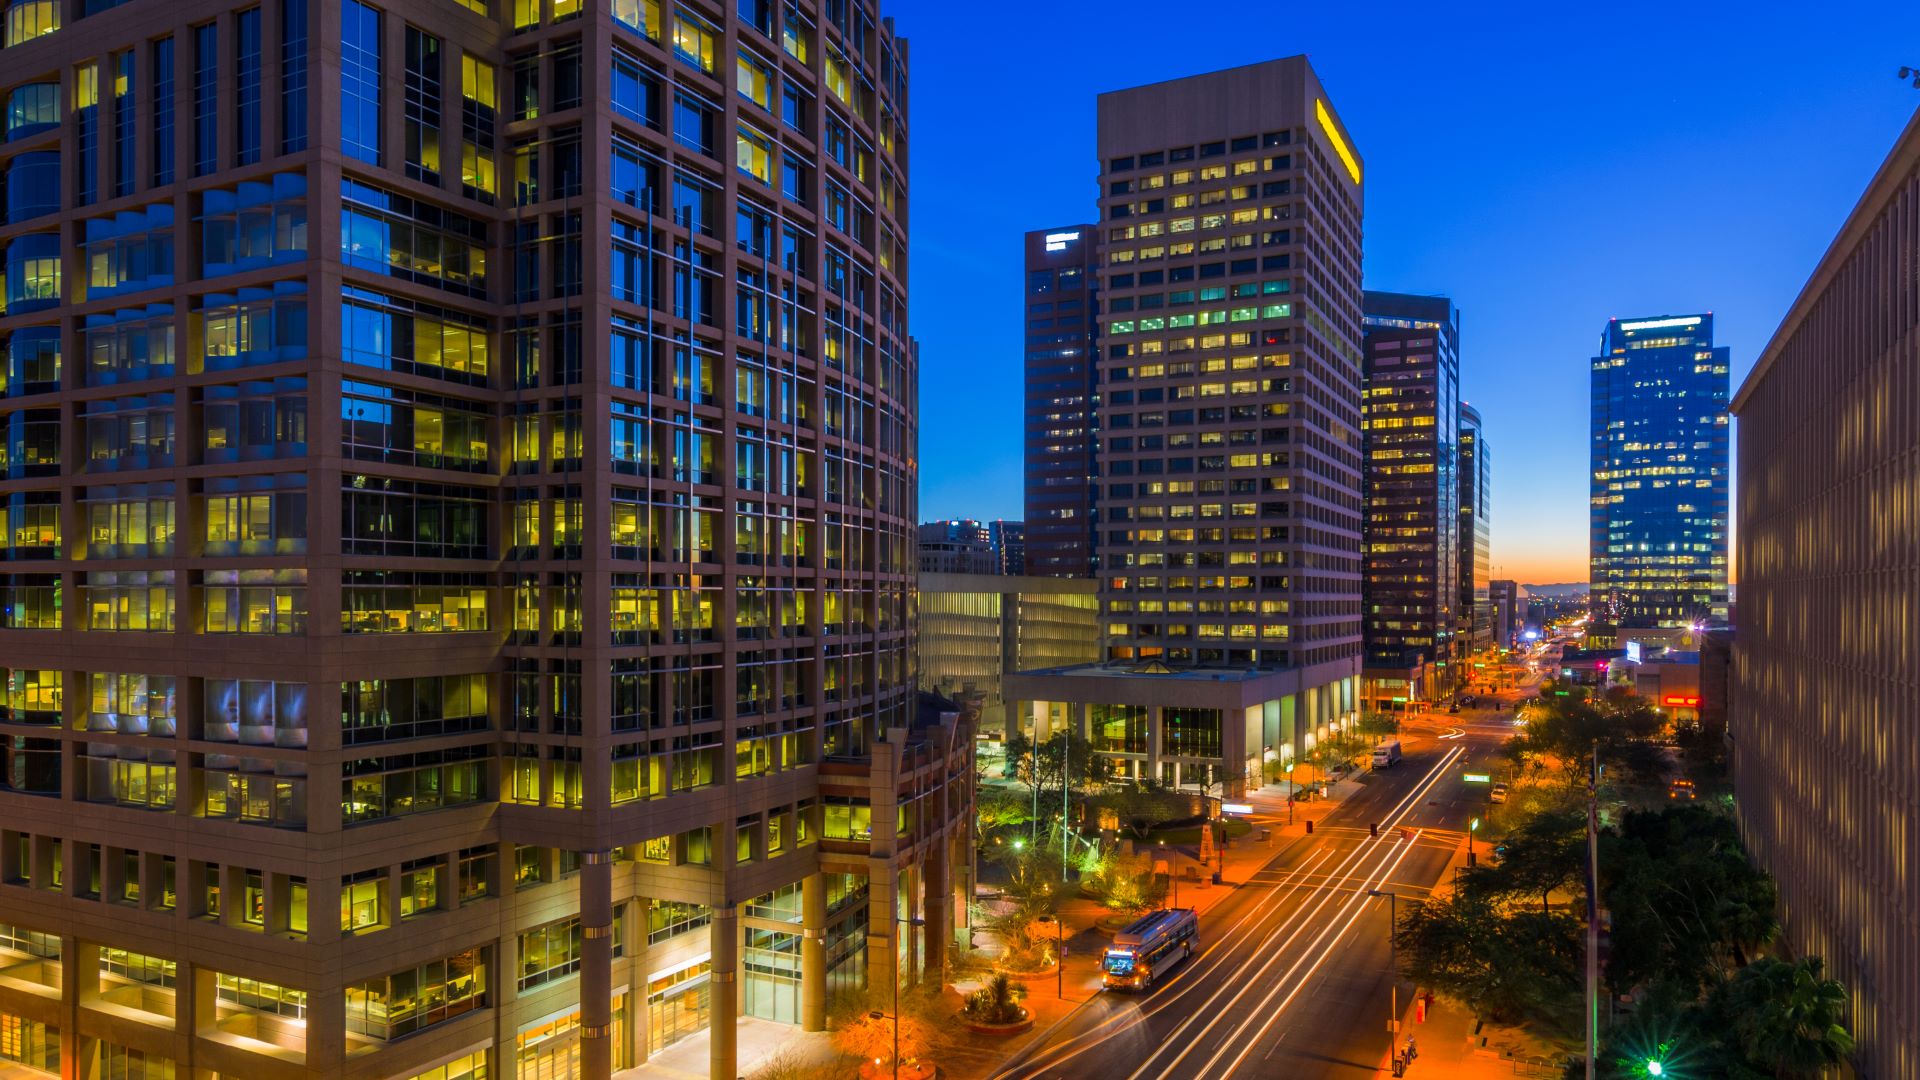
(1147, 947)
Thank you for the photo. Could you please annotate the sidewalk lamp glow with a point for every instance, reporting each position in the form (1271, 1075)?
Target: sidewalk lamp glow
(1654, 1068)
(1018, 843)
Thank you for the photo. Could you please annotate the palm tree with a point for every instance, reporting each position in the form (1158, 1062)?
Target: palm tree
(1784, 1017)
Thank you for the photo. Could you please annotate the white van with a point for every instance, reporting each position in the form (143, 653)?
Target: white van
(1387, 753)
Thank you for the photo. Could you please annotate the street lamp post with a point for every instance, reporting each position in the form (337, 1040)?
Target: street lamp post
(1173, 876)
(896, 995)
(1393, 975)
(1059, 954)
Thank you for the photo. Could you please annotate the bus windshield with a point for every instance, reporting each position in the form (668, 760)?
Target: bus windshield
(1119, 962)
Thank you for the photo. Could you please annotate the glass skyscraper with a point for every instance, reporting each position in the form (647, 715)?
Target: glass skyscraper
(1411, 411)
(1658, 535)
(456, 536)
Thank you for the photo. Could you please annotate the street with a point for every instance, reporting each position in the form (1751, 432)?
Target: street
(1292, 979)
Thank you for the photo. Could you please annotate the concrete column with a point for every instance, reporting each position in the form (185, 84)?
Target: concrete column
(327, 1032)
(813, 952)
(724, 937)
(882, 952)
(596, 965)
(938, 905)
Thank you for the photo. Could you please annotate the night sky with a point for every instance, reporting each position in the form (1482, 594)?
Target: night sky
(1548, 172)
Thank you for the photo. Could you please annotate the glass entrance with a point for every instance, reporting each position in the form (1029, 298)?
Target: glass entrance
(678, 1004)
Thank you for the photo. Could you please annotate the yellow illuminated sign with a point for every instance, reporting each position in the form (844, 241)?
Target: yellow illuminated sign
(1339, 141)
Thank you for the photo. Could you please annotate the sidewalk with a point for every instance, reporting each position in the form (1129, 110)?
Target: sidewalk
(1450, 1044)
(757, 1044)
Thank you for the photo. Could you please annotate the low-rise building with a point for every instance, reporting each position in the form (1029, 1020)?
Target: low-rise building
(976, 628)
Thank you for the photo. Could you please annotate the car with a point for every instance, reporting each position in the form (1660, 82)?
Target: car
(1681, 789)
(1454, 708)
(1499, 793)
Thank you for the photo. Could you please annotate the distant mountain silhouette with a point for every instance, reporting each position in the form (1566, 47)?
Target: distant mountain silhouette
(1576, 588)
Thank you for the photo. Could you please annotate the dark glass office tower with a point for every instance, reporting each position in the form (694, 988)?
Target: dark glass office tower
(1658, 536)
(1476, 532)
(458, 487)
(1060, 310)
(1411, 413)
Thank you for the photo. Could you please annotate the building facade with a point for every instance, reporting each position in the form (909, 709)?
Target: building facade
(1658, 530)
(975, 628)
(438, 362)
(1826, 778)
(1229, 421)
(957, 546)
(1508, 603)
(1411, 415)
(1476, 532)
(1060, 309)
(1009, 539)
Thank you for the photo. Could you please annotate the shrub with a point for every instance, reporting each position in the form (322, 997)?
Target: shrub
(998, 1002)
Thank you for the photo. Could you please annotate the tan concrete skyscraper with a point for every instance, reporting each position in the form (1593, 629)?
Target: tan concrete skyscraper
(1824, 700)
(1229, 425)
(458, 488)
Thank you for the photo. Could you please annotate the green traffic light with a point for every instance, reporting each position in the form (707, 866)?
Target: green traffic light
(1474, 825)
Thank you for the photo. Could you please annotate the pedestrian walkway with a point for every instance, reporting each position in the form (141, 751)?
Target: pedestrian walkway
(1450, 1044)
(759, 1043)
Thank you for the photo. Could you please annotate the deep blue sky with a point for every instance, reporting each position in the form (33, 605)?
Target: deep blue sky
(1547, 173)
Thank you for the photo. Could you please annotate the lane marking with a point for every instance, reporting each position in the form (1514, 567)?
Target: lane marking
(1057, 1055)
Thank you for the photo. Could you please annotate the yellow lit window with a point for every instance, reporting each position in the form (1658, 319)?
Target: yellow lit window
(753, 81)
(693, 42)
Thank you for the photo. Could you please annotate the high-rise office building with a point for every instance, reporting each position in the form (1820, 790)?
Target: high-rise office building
(1411, 414)
(1508, 603)
(1061, 311)
(1009, 540)
(1476, 532)
(1229, 421)
(1826, 777)
(1658, 519)
(459, 514)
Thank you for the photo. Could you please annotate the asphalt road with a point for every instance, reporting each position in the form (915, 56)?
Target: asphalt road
(1293, 978)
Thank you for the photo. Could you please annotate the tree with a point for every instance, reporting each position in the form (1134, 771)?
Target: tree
(1783, 1017)
(1505, 965)
(1000, 808)
(1045, 766)
(1568, 724)
(1378, 725)
(1687, 905)
(1545, 852)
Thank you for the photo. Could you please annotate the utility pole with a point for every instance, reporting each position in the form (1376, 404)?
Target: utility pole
(1593, 910)
(1393, 975)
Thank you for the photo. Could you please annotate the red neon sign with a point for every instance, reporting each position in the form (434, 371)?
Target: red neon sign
(1676, 699)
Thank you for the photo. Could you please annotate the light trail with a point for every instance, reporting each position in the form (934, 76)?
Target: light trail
(1060, 1053)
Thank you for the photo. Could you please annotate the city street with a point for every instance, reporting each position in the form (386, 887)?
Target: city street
(1293, 977)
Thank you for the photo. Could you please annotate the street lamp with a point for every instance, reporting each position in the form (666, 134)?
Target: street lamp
(1175, 877)
(1472, 827)
(877, 1014)
(1393, 975)
(1059, 955)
